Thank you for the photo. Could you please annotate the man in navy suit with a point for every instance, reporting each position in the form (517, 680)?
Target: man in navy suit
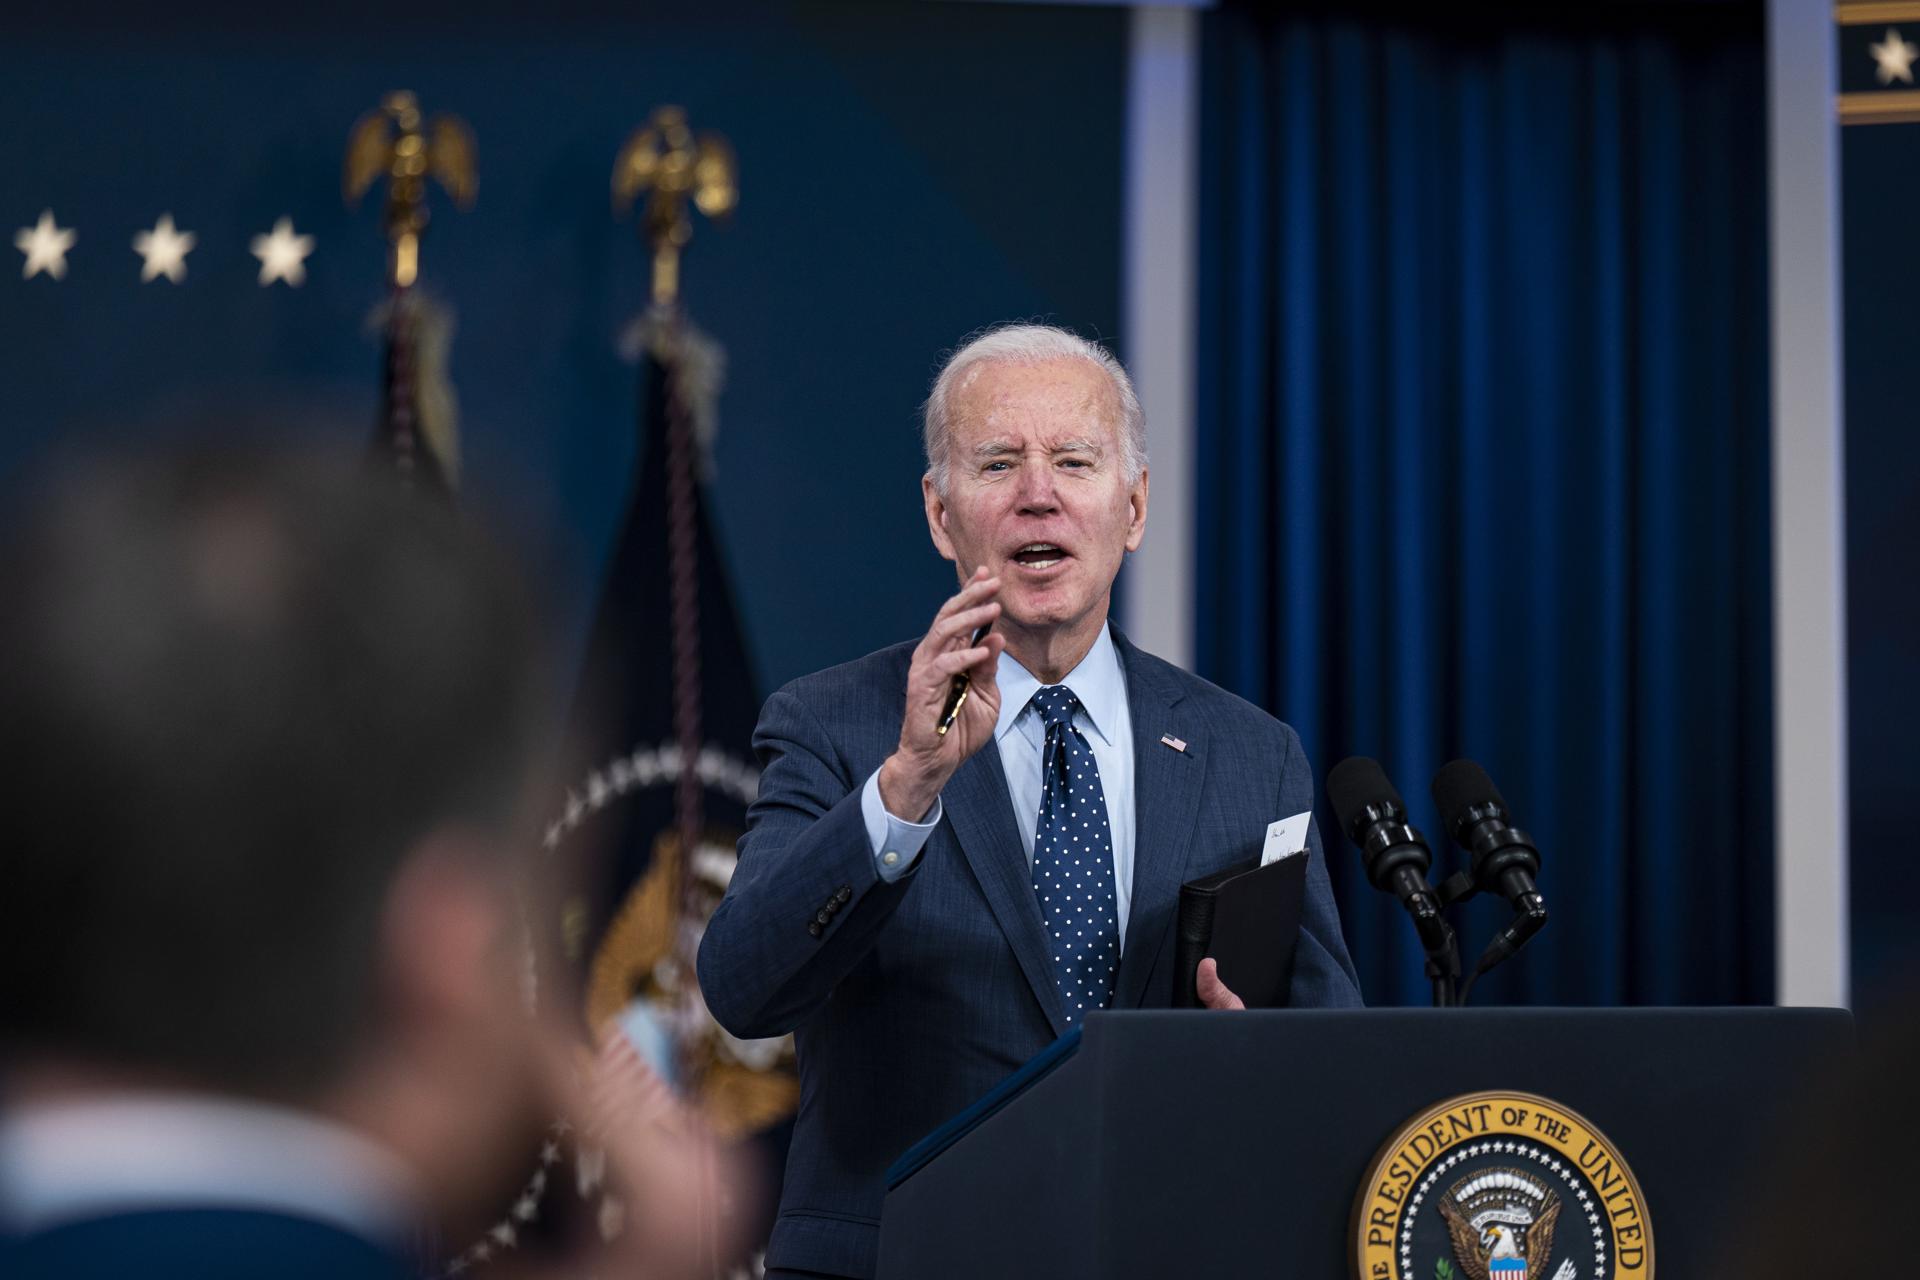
(927, 910)
(263, 765)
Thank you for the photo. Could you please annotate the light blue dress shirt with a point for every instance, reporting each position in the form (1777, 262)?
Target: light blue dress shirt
(1103, 718)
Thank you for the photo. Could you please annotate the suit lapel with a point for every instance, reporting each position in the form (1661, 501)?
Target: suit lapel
(1166, 796)
(981, 813)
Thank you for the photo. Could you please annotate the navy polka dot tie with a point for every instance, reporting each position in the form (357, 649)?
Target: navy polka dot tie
(1073, 861)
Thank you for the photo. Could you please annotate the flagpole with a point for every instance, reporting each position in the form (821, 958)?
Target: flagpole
(683, 579)
(394, 142)
(664, 160)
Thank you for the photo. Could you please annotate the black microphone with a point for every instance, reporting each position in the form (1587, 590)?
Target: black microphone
(1396, 858)
(1504, 858)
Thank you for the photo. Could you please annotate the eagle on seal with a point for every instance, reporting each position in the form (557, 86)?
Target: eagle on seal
(1503, 1241)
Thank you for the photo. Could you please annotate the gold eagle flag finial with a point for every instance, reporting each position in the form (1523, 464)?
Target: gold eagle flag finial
(395, 141)
(666, 161)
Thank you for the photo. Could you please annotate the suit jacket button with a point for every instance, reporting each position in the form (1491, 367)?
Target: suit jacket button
(813, 927)
(843, 893)
(822, 919)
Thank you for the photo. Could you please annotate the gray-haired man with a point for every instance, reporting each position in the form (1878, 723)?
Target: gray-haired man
(925, 911)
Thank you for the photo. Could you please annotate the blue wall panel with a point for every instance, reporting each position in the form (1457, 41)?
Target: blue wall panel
(909, 172)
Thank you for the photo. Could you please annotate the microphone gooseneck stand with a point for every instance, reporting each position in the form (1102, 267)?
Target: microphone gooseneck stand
(1502, 859)
(1396, 858)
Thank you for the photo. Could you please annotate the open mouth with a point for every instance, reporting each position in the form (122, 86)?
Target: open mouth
(1039, 555)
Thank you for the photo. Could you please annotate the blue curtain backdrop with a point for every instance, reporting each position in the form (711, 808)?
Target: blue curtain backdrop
(1483, 457)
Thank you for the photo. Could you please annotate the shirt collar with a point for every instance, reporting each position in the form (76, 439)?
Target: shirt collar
(1097, 681)
(65, 1161)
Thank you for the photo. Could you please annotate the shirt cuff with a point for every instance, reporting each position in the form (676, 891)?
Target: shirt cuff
(896, 842)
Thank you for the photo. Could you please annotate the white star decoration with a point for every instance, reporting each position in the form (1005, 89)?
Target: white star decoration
(164, 250)
(1893, 58)
(282, 254)
(45, 245)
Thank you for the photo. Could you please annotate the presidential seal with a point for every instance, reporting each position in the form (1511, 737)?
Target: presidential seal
(1500, 1186)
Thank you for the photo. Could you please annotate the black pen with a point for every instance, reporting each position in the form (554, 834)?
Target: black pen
(962, 684)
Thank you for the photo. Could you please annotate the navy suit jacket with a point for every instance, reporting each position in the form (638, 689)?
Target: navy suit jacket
(198, 1244)
(909, 1000)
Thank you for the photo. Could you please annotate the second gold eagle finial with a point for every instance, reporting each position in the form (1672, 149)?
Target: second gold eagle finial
(396, 142)
(664, 160)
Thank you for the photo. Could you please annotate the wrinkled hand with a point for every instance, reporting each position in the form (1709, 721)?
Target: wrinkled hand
(919, 767)
(1214, 994)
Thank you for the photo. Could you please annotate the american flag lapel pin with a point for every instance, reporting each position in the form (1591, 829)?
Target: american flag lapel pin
(1178, 744)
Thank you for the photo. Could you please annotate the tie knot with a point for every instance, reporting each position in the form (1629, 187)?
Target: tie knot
(1057, 705)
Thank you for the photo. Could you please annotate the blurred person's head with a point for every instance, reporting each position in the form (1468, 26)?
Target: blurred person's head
(265, 732)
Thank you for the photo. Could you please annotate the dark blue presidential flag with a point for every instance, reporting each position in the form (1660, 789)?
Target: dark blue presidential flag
(660, 735)
(661, 725)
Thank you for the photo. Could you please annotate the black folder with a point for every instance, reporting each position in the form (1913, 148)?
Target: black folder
(1248, 919)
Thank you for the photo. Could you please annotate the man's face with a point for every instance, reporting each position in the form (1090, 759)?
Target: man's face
(1037, 490)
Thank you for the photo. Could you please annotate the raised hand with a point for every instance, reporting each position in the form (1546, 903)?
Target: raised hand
(919, 767)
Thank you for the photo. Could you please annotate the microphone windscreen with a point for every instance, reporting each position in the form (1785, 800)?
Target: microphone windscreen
(1460, 786)
(1353, 785)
